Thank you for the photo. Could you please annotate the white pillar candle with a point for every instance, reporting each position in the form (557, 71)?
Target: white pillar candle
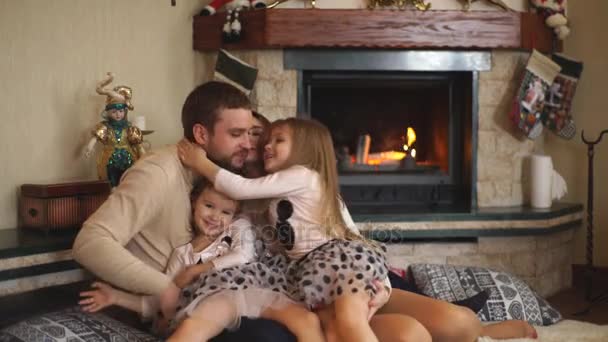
(140, 122)
(541, 180)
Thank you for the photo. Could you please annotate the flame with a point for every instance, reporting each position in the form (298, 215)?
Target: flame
(411, 136)
(391, 157)
(379, 158)
(394, 155)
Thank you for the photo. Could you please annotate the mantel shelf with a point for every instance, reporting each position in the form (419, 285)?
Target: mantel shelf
(378, 29)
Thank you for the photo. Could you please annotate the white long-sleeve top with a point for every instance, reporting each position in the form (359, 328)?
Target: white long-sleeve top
(297, 184)
(242, 250)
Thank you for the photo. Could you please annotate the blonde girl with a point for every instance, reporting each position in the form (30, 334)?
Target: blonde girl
(327, 265)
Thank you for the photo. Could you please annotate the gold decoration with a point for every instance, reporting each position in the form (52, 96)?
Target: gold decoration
(467, 4)
(275, 3)
(101, 133)
(132, 144)
(120, 94)
(400, 4)
(420, 5)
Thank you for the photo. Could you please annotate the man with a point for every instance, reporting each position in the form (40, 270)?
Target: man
(129, 239)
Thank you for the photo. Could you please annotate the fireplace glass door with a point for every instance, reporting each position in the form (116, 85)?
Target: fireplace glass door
(402, 139)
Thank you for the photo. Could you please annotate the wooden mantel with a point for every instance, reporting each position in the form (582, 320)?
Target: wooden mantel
(387, 29)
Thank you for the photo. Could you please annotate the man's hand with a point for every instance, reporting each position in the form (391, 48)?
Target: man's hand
(382, 296)
(184, 278)
(187, 276)
(95, 300)
(168, 300)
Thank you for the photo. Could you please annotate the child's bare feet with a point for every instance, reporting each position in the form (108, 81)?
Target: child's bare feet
(530, 331)
(509, 329)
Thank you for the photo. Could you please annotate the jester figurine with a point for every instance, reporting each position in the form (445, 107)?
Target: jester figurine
(122, 142)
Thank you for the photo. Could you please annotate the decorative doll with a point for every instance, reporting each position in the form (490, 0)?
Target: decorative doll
(122, 142)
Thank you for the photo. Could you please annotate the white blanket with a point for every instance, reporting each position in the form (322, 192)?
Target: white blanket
(565, 331)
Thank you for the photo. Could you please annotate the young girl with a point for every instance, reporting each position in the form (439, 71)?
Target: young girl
(327, 264)
(216, 244)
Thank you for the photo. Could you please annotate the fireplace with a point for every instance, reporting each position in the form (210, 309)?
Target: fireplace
(403, 133)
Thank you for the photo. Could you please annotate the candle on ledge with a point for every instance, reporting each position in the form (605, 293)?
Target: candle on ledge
(140, 122)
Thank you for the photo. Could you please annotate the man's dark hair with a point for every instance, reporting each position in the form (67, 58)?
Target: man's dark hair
(204, 103)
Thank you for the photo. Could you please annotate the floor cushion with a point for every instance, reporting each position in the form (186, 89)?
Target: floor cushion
(509, 296)
(72, 324)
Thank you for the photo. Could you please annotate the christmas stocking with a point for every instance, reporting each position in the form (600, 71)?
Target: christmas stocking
(230, 69)
(558, 99)
(530, 100)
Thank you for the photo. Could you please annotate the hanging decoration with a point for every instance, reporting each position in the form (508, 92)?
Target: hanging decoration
(232, 29)
(467, 4)
(400, 4)
(554, 13)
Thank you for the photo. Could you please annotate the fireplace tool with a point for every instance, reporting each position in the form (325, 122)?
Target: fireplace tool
(590, 268)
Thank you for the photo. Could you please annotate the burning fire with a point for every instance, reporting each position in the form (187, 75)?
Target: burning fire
(411, 136)
(393, 157)
(385, 157)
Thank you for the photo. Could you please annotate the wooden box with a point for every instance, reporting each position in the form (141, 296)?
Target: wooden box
(60, 206)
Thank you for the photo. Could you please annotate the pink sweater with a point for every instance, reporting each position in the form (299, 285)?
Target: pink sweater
(297, 184)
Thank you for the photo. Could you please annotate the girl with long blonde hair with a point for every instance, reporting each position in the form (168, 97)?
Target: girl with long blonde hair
(326, 265)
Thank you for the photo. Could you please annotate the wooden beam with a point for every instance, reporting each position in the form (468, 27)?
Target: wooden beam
(536, 35)
(363, 28)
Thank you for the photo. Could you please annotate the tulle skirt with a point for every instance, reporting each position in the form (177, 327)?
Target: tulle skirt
(335, 268)
(244, 290)
(228, 306)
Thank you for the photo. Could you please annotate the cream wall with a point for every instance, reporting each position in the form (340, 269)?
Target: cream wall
(52, 54)
(587, 43)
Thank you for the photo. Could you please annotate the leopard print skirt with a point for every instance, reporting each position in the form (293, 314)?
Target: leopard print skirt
(335, 268)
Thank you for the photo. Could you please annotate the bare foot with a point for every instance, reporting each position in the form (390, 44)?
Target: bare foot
(509, 329)
(530, 331)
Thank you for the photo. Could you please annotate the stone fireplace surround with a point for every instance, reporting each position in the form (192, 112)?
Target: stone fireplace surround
(500, 152)
(500, 233)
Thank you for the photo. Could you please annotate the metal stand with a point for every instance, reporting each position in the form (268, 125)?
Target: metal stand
(590, 268)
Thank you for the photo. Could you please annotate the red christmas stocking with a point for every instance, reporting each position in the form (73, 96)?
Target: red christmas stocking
(530, 100)
(558, 99)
